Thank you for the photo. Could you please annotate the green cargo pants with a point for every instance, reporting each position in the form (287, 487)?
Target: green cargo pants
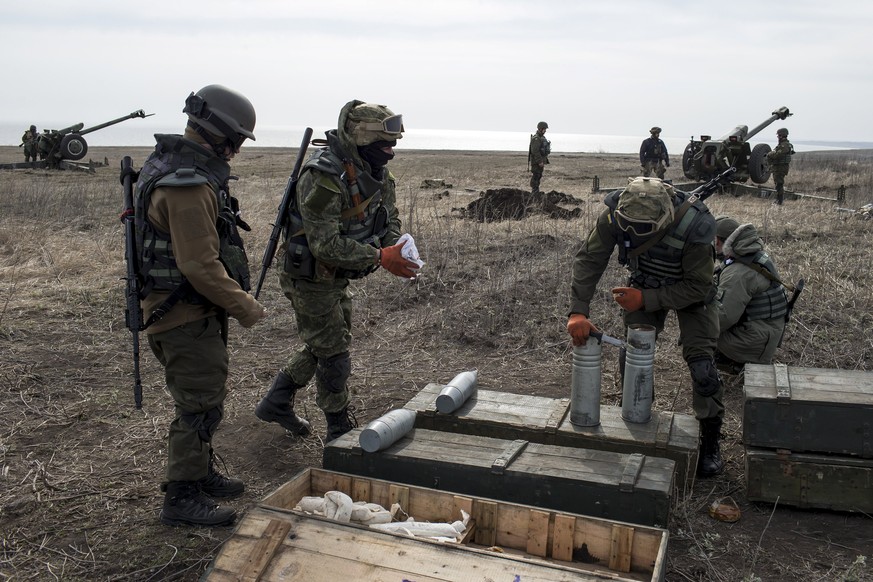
(195, 363)
(324, 321)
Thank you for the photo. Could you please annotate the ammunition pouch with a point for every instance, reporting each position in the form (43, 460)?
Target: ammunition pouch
(645, 281)
(299, 261)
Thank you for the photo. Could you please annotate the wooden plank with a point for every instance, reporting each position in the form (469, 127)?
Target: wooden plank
(263, 550)
(538, 533)
(812, 384)
(485, 514)
(783, 384)
(360, 489)
(621, 548)
(398, 494)
(565, 528)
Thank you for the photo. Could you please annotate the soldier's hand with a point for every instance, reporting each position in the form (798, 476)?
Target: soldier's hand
(392, 261)
(629, 298)
(579, 328)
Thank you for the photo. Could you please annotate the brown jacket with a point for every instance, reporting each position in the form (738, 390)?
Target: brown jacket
(189, 215)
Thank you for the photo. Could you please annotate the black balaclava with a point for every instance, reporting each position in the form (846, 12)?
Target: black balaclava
(374, 155)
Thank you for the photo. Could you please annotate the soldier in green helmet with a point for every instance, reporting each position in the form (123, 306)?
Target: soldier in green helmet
(780, 159)
(194, 275)
(343, 224)
(538, 156)
(653, 154)
(665, 242)
(29, 142)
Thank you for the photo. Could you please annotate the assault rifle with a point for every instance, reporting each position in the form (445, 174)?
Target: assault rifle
(704, 191)
(279, 224)
(133, 310)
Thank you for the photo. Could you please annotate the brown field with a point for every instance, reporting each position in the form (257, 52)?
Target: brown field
(80, 467)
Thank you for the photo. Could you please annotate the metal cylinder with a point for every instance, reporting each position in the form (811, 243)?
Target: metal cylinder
(639, 374)
(457, 391)
(585, 390)
(386, 430)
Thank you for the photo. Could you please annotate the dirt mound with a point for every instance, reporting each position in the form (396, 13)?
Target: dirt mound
(514, 204)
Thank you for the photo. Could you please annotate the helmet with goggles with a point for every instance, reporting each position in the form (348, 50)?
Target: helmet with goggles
(644, 207)
(369, 122)
(222, 112)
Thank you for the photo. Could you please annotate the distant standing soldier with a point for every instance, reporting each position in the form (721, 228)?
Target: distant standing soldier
(538, 156)
(29, 140)
(780, 159)
(653, 154)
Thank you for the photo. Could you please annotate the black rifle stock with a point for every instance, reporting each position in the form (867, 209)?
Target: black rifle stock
(704, 191)
(133, 309)
(270, 251)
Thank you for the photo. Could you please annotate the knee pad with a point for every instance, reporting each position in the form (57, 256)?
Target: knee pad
(205, 423)
(704, 376)
(333, 372)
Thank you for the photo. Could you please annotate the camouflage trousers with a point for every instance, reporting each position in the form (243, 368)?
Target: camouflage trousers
(698, 333)
(323, 312)
(30, 152)
(656, 166)
(195, 361)
(536, 174)
(779, 173)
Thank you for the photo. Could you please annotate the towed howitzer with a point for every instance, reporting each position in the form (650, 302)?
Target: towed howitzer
(704, 158)
(281, 216)
(55, 145)
(133, 319)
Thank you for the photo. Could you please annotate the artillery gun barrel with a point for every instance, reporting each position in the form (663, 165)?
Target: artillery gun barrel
(137, 113)
(72, 129)
(780, 113)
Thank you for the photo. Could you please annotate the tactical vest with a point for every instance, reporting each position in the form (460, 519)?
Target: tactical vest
(770, 304)
(661, 264)
(654, 151)
(366, 227)
(176, 163)
(783, 155)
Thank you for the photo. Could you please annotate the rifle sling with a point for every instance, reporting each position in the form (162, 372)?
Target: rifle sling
(760, 269)
(345, 214)
(168, 303)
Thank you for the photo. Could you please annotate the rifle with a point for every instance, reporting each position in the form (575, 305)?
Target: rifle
(795, 293)
(279, 224)
(704, 191)
(133, 310)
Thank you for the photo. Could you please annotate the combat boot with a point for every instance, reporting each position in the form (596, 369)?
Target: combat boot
(215, 484)
(709, 461)
(185, 504)
(339, 423)
(278, 406)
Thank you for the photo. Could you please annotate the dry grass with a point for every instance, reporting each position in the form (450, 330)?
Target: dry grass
(79, 468)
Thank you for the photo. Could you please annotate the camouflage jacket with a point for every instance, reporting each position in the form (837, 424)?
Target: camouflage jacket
(539, 151)
(781, 154)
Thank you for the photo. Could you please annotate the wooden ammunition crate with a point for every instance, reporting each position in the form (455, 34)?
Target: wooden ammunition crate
(807, 480)
(504, 541)
(808, 410)
(633, 488)
(544, 420)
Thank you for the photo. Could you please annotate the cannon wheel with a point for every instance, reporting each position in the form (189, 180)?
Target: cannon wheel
(759, 168)
(688, 162)
(73, 147)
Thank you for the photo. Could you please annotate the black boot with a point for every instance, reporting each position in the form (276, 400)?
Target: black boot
(339, 423)
(185, 504)
(215, 484)
(709, 462)
(278, 406)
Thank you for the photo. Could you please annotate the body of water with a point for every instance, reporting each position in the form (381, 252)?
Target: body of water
(132, 133)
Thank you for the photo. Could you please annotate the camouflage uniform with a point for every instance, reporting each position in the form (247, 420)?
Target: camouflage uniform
(780, 159)
(318, 264)
(29, 141)
(673, 274)
(653, 155)
(751, 306)
(538, 156)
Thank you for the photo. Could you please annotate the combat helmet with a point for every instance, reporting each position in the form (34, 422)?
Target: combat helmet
(655, 129)
(542, 125)
(222, 112)
(782, 132)
(33, 129)
(644, 207)
(370, 122)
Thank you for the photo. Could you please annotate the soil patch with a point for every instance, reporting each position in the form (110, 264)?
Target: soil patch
(514, 204)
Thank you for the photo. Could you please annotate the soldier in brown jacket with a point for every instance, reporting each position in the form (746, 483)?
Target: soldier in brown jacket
(194, 275)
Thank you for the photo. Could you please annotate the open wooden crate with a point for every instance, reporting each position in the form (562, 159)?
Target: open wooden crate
(504, 541)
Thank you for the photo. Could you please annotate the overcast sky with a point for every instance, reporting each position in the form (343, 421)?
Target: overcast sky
(612, 67)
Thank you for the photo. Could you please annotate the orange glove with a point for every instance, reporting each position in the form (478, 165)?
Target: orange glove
(391, 260)
(579, 327)
(629, 298)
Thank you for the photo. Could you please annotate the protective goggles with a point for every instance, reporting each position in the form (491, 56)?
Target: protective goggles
(393, 124)
(637, 226)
